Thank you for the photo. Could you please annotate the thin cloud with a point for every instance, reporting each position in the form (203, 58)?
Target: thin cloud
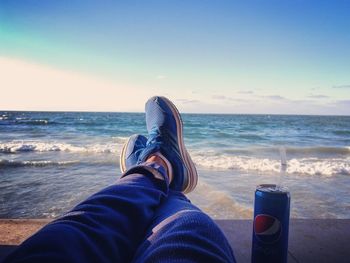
(219, 97)
(187, 101)
(302, 101)
(343, 102)
(276, 97)
(245, 92)
(341, 87)
(160, 77)
(317, 96)
(226, 98)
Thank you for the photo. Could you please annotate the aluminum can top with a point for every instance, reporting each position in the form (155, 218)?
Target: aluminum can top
(272, 189)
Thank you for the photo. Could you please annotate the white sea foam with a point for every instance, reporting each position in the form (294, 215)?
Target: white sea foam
(212, 200)
(40, 146)
(12, 163)
(208, 159)
(302, 166)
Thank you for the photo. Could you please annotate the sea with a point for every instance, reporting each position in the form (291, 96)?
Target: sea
(51, 161)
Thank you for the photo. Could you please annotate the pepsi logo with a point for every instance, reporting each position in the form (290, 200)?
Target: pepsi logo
(267, 228)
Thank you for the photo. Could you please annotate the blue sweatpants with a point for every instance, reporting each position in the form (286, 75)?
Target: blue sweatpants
(138, 219)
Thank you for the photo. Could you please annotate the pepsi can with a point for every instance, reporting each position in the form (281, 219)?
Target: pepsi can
(271, 224)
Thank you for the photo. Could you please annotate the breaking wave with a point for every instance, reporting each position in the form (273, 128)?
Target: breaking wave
(315, 150)
(302, 166)
(211, 200)
(14, 164)
(38, 146)
(319, 150)
(335, 162)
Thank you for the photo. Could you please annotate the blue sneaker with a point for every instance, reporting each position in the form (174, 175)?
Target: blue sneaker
(164, 126)
(131, 151)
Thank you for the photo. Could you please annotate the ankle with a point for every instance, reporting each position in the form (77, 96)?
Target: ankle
(162, 161)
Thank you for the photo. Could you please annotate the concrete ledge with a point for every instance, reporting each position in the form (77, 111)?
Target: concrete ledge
(310, 240)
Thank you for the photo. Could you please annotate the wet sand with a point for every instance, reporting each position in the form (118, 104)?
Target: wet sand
(310, 240)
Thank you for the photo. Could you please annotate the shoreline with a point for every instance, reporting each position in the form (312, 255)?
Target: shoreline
(310, 240)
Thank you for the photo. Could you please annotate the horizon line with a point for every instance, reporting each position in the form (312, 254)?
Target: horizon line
(197, 113)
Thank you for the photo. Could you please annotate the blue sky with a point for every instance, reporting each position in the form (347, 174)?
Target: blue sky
(288, 57)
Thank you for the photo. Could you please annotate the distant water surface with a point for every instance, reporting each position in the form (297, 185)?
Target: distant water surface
(50, 161)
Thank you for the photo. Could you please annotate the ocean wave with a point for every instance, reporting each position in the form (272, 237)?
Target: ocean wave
(33, 122)
(303, 166)
(245, 159)
(211, 200)
(319, 149)
(14, 164)
(26, 121)
(39, 146)
(341, 132)
(314, 150)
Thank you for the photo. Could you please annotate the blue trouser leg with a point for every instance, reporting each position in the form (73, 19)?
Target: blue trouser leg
(107, 227)
(111, 226)
(181, 232)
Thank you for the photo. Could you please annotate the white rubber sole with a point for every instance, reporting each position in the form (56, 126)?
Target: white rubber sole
(122, 156)
(192, 176)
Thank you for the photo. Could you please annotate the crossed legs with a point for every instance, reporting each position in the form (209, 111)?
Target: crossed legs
(137, 219)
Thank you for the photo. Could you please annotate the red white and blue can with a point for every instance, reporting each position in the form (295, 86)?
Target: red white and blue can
(271, 224)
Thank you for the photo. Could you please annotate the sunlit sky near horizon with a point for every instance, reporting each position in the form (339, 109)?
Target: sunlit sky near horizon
(274, 57)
